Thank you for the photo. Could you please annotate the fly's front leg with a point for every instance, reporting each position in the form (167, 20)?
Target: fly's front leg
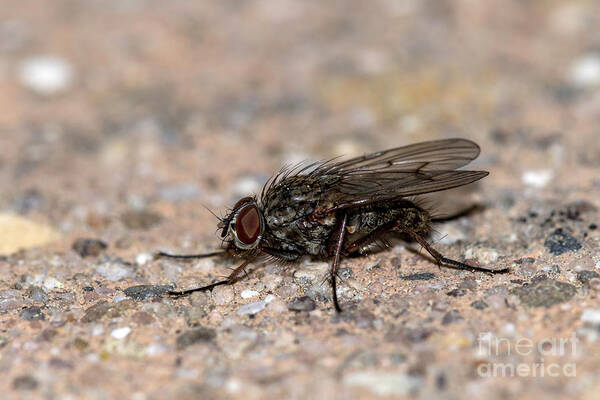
(339, 242)
(229, 281)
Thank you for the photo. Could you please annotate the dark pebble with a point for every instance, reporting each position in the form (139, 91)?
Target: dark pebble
(346, 273)
(37, 294)
(32, 313)
(525, 260)
(545, 293)
(303, 303)
(89, 247)
(585, 276)
(142, 292)
(479, 304)
(457, 292)
(48, 335)
(196, 335)
(421, 276)
(451, 317)
(559, 242)
(95, 312)
(25, 382)
(88, 289)
(142, 318)
(143, 220)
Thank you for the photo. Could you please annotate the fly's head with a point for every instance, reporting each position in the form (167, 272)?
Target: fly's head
(243, 227)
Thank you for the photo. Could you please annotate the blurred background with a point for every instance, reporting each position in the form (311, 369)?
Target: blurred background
(118, 118)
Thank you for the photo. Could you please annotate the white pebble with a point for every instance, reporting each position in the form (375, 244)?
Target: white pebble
(46, 74)
(591, 315)
(537, 179)
(143, 259)
(53, 283)
(585, 71)
(247, 294)
(121, 333)
(252, 308)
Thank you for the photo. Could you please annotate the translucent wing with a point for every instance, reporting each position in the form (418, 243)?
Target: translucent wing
(403, 171)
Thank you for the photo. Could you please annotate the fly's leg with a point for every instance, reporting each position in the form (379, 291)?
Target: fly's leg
(188, 256)
(229, 281)
(341, 234)
(439, 258)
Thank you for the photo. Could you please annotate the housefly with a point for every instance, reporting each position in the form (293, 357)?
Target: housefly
(333, 209)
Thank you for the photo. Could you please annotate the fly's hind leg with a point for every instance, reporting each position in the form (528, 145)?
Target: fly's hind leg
(229, 281)
(398, 225)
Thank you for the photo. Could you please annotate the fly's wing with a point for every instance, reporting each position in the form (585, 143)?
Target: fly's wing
(404, 171)
(386, 175)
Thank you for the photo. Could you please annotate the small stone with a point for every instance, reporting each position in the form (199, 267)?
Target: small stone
(537, 179)
(143, 292)
(479, 304)
(545, 293)
(46, 74)
(32, 313)
(559, 242)
(222, 295)
(420, 276)
(197, 335)
(51, 283)
(142, 318)
(457, 292)
(303, 303)
(384, 383)
(19, 233)
(25, 382)
(194, 315)
(484, 255)
(142, 220)
(586, 275)
(179, 192)
(115, 270)
(252, 308)
(88, 247)
(80, 344)
(247, 294)
(451, 317)
(121, 333)
(591, 315)
(47, 335)
(143, 259)
(585, 70)
(96, 311)
(37, 294)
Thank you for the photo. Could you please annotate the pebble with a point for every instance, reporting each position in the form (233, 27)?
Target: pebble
(222, 295)
(585, 70)
(21, 233)
(384, 383)
(121, 333)
(142, 292)
(32, 313)
(537, 179)
(457, 293)
(46, 74)
(591, 315)
(545, 293)
(420, 276)
(559, 242)
(88, 247)
(586, 275)
(115, 270)
(186, 191)
(479, 304)
(248, 294)
(51, 283)
(303, 303)
(451, 317)
(484, 255)
(252, 308)
(37, 294)
(143, 259)
(196, 335)
(96, 311)
(25, 382)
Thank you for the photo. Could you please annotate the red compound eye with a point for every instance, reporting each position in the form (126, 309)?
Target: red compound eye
(247, 224)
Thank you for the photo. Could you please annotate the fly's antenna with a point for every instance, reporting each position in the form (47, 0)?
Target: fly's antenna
(212, 212)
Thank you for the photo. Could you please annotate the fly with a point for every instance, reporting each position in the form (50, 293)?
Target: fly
(333, 209)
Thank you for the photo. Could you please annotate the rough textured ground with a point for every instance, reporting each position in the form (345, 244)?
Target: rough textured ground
(118, 119)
